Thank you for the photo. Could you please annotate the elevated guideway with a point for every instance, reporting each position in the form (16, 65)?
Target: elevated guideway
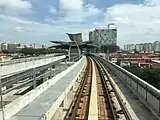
(138, 92)
(18, 67)
(22, 87)
(20, 60)
(71, 94)
(42, 102)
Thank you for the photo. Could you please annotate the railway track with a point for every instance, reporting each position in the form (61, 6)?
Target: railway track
(80, 105)
(96, 98)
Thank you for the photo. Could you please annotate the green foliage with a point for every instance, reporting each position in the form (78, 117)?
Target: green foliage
(27, 51)
(152, 76)
(5, 51)
(41, 51)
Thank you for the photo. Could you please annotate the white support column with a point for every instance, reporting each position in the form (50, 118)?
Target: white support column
(69, 51)
(44, 77)
(34, 78)
(50, 70)
(79, 51)
(2, 103)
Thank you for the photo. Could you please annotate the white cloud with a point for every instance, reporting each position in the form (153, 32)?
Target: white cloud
(18, 29)
(136, 23)
(71, 4)
(73, 12)
(15, 29)
(18, 20)
(21, 29)
(151, 2)
(14, 6)
(91, 10)
(77, 11)
(53, 10)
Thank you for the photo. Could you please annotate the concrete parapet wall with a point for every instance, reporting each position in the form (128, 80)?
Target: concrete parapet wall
(147, 94)
(48, 115)
(13, 68)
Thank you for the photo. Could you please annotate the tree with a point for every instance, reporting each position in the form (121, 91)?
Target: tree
(5, 51)
(152, 76)
(27, 51)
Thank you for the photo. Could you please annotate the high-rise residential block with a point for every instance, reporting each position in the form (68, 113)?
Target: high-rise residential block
(104, 36)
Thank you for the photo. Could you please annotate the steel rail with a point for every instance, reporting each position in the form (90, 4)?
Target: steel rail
(101, 73)
(72, 113)
(81, 103)
(123, 107)
(73, 116)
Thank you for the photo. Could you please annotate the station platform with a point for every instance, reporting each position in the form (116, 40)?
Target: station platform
(44, 106)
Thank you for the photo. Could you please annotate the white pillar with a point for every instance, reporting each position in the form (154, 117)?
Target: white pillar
(2, 103)
(69, 51)
(34, 77)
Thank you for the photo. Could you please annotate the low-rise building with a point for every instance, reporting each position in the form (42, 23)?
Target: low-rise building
(156, 46)
(137, 47)
(9, 47)
(150, 50)
(132, 47)
(4, 57)
(91, 36)
(0, 47)
(12, 47)
(4, 46)
(144, 47)
(128, 46)
(125, 47)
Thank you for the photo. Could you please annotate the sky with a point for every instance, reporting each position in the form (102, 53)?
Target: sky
(40, 21)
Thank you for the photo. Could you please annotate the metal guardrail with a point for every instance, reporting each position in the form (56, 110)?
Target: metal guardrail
(6, 81)
(26, 59)
(12, 79)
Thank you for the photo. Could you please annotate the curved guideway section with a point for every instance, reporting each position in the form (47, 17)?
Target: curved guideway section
(96, 98)
(53, 93)
(13, 68)
(138, 96)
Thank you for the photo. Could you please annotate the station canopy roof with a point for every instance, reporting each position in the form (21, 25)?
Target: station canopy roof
(75, 38)
(66, 45)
